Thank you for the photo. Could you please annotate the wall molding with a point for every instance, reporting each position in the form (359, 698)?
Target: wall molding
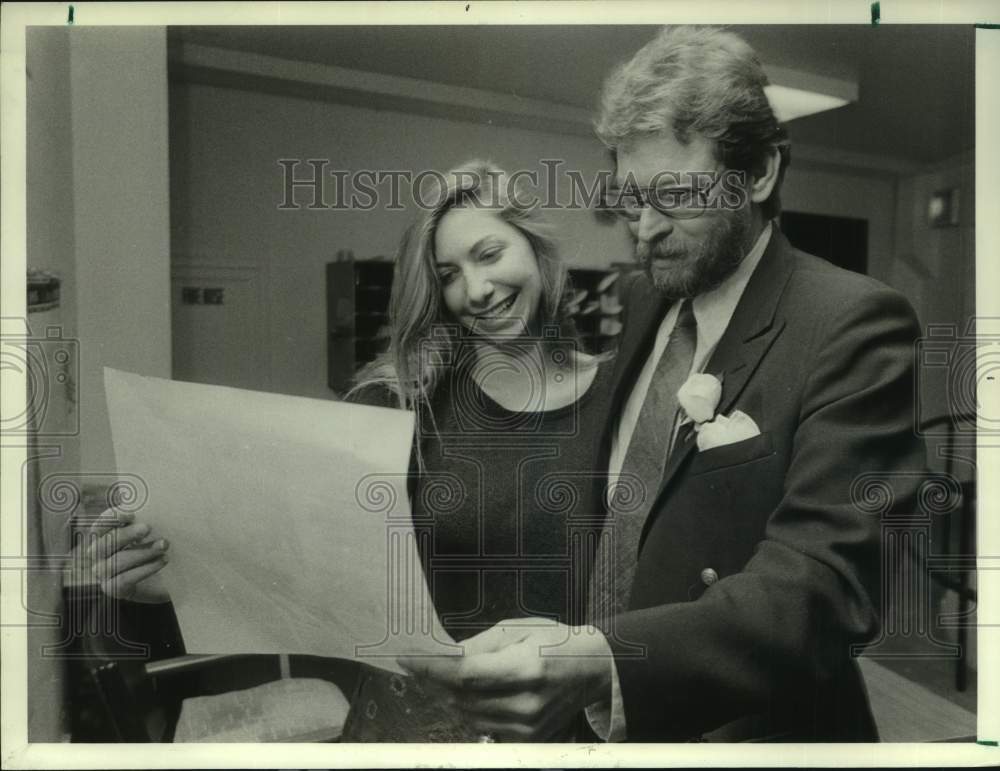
(819, 157)
(210, 65)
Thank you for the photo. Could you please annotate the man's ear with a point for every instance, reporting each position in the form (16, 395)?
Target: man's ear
(761, 187)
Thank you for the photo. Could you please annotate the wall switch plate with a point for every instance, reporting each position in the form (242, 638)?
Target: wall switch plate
(213, 295)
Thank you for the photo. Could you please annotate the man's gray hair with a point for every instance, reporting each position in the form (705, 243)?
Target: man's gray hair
(697, 81)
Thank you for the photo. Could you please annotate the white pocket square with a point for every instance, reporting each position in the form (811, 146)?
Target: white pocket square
(726, 430)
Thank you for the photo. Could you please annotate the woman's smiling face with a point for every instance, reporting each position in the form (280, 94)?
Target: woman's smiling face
(490, 281)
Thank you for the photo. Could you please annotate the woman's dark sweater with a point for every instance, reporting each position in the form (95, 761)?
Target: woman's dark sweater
(505, 503)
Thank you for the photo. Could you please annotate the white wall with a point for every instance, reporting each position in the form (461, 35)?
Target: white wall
(49, 156)
(936, 267)
(97, 214)
(118, 88)
(933, 267)
(50, 220)
(50, 247)
(227, 185)
(846, 193)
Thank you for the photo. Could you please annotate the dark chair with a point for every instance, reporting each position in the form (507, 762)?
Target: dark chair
(150, 690)
(952, 444)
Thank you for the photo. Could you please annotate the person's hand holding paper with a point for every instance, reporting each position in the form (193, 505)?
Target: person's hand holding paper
(121, 555)
(288, 519)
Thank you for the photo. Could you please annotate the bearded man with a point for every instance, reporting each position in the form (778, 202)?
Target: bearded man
(756, 386)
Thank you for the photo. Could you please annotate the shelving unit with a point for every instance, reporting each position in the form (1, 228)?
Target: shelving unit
(592, 302)
(357, 306)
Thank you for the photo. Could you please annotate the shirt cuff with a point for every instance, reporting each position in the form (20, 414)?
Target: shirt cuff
(607, 718)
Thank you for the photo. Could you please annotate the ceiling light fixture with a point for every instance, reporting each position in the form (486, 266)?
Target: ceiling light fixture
(795, 93)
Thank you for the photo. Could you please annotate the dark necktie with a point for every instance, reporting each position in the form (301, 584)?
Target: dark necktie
(641, 473)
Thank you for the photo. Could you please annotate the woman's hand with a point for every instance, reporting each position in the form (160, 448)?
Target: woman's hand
(120, 555)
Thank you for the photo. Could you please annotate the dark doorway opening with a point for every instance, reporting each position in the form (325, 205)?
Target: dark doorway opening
(840, 240)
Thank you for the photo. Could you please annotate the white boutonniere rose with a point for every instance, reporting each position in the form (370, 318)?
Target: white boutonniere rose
(699, 398)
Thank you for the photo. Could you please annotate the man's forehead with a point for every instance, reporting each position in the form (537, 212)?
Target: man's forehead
(664, 158)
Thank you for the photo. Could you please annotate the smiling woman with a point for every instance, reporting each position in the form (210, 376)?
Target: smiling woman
(501, 485)
(488, 272)
(479, 273)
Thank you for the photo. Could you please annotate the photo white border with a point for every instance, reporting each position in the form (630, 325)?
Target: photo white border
(16, 753)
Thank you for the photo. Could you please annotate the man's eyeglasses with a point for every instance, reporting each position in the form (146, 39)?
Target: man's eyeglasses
(679, 202)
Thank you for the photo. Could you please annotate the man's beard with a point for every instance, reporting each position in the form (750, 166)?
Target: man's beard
(690, 269)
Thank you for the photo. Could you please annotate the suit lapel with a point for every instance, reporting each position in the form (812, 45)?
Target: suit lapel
(751, 331)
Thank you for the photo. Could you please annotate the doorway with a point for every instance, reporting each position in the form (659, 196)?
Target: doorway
(840, 240)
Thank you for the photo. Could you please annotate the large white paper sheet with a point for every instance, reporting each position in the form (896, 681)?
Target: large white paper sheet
(288, 519)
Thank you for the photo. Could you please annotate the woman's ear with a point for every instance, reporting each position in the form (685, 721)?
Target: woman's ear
(761, 186)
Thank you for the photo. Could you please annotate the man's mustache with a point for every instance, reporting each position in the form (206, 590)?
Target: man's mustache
(645, 253)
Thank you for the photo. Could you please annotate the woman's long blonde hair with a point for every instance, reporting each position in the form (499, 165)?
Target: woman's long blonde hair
(417, 357)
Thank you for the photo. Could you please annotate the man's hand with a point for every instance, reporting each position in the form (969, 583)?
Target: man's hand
(524, 679)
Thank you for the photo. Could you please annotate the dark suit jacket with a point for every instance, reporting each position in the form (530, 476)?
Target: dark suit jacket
(822, 360)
